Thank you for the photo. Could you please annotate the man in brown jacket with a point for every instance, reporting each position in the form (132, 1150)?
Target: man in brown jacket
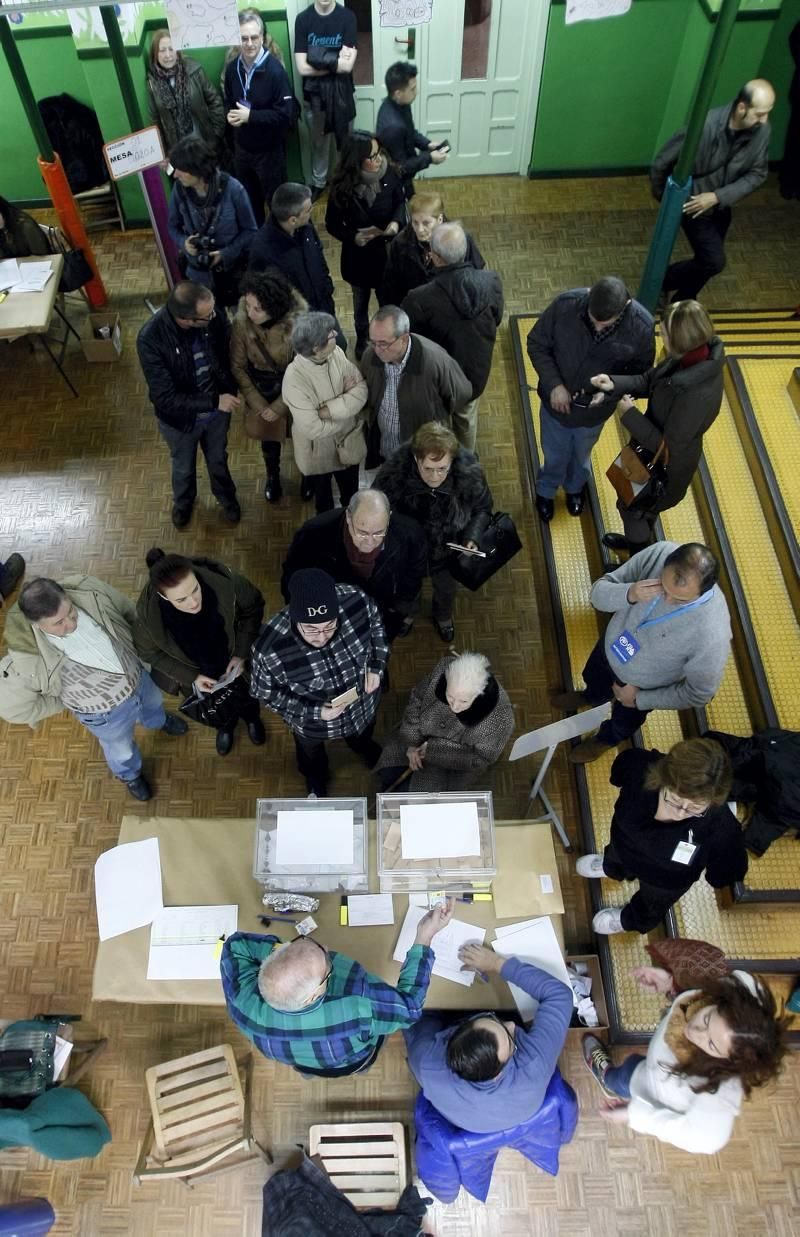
(410, 380)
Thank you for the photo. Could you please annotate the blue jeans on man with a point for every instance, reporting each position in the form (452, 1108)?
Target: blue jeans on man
(114, 730)
(566, 454)
(211, 436)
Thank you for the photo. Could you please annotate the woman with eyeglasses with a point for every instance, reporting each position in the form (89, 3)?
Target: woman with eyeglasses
(366, 210)
(671, 824)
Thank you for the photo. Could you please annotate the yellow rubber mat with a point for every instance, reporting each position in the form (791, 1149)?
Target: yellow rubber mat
(778, 421)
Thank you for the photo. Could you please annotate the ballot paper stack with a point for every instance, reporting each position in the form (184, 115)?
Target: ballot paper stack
(25, 277)
(433, 842)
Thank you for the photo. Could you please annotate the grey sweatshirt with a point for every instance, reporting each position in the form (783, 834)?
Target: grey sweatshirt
(680, 662)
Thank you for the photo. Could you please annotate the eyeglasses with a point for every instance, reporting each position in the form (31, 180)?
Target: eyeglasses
(317, 629)
(373, 156)
(323, 950)
(251, 38)
(364, 535)
(380, 344)
(208, 318)
(683, 805)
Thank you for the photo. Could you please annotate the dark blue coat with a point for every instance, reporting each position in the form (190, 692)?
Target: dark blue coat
(300, 258)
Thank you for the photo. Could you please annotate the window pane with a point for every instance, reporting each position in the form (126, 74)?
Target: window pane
(475, 44)
(363, 73)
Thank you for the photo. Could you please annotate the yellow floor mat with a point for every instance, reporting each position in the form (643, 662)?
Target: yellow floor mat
(778, 421)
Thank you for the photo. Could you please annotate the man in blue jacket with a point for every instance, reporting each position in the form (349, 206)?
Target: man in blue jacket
(486, 1074)
(260, 107)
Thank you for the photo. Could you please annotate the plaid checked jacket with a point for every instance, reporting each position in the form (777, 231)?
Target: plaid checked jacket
(295, 680)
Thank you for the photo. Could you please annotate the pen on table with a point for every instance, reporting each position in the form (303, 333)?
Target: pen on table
(267, 919)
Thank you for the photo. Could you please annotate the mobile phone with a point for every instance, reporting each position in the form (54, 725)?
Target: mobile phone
(348, 697)
(583, 399)
(463, 549)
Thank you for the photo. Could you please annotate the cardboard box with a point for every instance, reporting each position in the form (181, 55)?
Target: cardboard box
(96, 348)
(598, 995)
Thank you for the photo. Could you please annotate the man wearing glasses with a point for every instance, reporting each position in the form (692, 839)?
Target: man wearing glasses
(184, 354)
(319, 664)
(485, 1073)
(318, 1010)
(369, 547)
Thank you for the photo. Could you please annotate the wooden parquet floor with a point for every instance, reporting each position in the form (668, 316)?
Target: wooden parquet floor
(84, 487)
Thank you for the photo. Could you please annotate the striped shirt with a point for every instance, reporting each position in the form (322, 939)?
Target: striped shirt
(389, 411)
(295, 680)
(342, 1028)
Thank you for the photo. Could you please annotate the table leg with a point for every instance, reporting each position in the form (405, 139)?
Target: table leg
(57, 364)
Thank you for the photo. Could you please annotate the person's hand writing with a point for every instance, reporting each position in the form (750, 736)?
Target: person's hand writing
(480, 959)
(626, 694)
(238, 115)
(699, 203)
(433, 922)
(644, 590)
(204, 683)
(372, 682)
(329, 713)
(416, 757)
(602, 382)
(228, 403)
(190, 247)
(560, 399)
(652, 978)
(235, 663)
(324, 412)
(615, 1113)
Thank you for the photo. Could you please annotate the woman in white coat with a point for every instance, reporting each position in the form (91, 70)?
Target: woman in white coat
(325, 394)
(711, 1048)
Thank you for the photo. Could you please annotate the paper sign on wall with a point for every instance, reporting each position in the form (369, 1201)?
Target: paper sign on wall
(405, 12)
(591, 10)
(134, 153)
(203, 23)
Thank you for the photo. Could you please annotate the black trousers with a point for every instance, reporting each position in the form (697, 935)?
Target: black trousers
(260, 172)
(312, 755)
(706, 235)
(600, 679)
(249, 711)
(649, 904)
(347, 484)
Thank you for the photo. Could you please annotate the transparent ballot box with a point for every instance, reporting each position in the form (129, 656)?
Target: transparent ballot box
(446, 822)
(319, 855)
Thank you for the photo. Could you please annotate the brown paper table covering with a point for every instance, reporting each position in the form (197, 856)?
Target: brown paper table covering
(211, 862)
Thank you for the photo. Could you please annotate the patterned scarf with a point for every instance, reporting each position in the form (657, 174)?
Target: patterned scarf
(172, 95)
(371, 183)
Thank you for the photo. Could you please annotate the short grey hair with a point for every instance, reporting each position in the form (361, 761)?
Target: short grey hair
(376, 498)
(41, 599)
(311, 331)
(449, 242)
(401, 323)
(252, 15)
(287, 977)
(468, 673)
(289, 199)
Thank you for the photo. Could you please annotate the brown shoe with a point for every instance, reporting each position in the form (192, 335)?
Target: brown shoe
(589, 750)
(567, 702)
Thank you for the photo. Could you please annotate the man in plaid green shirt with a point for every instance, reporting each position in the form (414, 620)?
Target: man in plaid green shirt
(317, 1010)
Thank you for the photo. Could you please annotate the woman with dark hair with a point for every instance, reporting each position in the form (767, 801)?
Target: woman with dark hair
(196, 621)
(20, 234)
(366, 209)
(711, 1049)
(210, 220)
(671, 824)
(261, 349)
(180, 98)
(441, 485)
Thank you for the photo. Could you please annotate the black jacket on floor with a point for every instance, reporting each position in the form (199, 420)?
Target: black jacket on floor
(165, 355)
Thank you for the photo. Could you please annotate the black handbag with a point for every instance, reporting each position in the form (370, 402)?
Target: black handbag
(499, 541)
(221, 709)
(76, 272)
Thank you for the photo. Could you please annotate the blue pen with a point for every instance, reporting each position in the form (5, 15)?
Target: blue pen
(267, 919)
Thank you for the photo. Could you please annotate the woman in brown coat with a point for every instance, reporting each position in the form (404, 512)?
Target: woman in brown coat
(180, 98)
(261, 349)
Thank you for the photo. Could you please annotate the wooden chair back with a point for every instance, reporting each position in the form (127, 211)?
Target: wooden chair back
(366, 1160)
(197, 1103)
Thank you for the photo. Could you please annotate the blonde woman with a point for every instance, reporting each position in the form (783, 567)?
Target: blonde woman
(408, 258)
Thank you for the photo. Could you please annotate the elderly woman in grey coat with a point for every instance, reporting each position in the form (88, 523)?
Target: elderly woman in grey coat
(456, 724)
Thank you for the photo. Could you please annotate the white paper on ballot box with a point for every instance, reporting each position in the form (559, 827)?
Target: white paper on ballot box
(445, 945)
(439, 830)
(531, 940)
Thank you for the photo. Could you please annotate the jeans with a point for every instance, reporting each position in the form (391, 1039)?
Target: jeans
(649, 904)
(260, 172)
(565, 454)
(361, 313)
(706, 235)
(213, 441)
(347, 484)
(599, 679)
(114, 730)
(618, 1077)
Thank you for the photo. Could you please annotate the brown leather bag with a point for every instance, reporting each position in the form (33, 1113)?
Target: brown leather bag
(638, 474)
(689, 962)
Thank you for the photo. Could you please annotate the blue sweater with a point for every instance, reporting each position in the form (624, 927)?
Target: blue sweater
(518, 1090)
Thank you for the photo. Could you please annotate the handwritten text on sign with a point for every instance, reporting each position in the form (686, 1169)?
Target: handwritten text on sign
(134, 153)
(405, 12)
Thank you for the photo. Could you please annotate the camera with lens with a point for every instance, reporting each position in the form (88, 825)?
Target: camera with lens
(204, 245)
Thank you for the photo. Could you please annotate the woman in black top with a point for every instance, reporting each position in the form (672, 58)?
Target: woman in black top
(671, 823)
(20, 234)
(196, 622)
(366, 209)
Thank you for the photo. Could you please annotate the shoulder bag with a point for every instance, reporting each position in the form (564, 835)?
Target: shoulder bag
(220, 709)
(499, 542)
(639, 475)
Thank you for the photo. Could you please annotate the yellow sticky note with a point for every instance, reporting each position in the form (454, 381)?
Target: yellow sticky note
(343, 916)
(218, 950)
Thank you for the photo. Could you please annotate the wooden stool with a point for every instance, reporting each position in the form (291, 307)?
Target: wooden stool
(365, 1160)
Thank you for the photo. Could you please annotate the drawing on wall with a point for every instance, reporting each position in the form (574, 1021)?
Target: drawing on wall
(405, 12)
(590, 10)
(203, 23)
(87, 24)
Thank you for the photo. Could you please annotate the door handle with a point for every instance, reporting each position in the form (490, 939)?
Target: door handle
(410, 42)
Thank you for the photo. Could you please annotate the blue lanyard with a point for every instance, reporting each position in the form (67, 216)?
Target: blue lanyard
(248, 74)
(662, 618)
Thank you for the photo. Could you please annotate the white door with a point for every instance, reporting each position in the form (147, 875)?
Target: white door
(479, 64)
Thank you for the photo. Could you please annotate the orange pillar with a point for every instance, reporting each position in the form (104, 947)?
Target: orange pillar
(69, 216)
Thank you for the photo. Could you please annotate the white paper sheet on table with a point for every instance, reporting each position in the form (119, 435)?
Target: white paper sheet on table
(445, 945)
(9, 273)
(366, 909)
(185, 941)
(314, 837)
(32, 277)
(531, 940)
(127, 887)
(439, 830)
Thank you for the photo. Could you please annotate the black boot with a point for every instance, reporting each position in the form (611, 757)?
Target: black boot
(306, 488)
(273, 490)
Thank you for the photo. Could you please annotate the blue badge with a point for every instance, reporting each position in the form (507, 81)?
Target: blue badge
(625, 647)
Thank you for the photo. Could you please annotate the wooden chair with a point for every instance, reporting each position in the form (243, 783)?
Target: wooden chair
(365, 1160)
(200, 1107)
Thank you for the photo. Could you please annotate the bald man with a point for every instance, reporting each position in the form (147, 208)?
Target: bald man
(318, 1010)
(730, 162)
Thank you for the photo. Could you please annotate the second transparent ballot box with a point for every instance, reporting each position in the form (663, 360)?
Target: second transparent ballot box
(311, 846)
(433, 842)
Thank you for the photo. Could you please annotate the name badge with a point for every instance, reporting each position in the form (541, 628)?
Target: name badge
(683, 852)
(625, 647)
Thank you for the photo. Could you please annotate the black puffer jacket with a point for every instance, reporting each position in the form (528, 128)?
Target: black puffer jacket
(457, 510)
(165, 355)
(460, 309)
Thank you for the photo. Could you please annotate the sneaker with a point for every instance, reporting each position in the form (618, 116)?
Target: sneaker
(175, 725)
(597, 1061)
(139, 788)
(13, 572)
(608, 921)
(590, 865)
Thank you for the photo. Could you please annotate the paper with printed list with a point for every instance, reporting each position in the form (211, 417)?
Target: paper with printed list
(127, 887)
(186, 941)
(439, 830)
(318, 837)
(531, 940)
(369, 909)
(445, 945)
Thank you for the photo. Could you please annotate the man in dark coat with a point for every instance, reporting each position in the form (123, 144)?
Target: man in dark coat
(460, 309)
(367, 546)
(325, 37)
(289, 241)
(731, 161)
(410, 150)
(184, 354)
(260, 108)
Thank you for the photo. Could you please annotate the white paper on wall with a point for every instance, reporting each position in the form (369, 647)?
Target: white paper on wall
(405, 12)
(202, 23)
(591, 10)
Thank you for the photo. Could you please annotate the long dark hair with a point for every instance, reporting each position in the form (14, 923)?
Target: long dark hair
(758, 1037)
(167, 570)
(10, 213)
(356, 148)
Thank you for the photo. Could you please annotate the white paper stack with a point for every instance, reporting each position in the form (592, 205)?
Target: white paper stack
(127, 886)
(323, 838)
(186, 941)
(445, 945)
(32, 277)
(531, 940)
(439, 830)
(369, 909)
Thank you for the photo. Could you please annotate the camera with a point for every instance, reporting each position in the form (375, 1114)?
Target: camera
(204, 245)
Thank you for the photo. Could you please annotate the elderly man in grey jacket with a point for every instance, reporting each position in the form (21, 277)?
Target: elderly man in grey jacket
(666, 644)
(71, 647)
(730, 162)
